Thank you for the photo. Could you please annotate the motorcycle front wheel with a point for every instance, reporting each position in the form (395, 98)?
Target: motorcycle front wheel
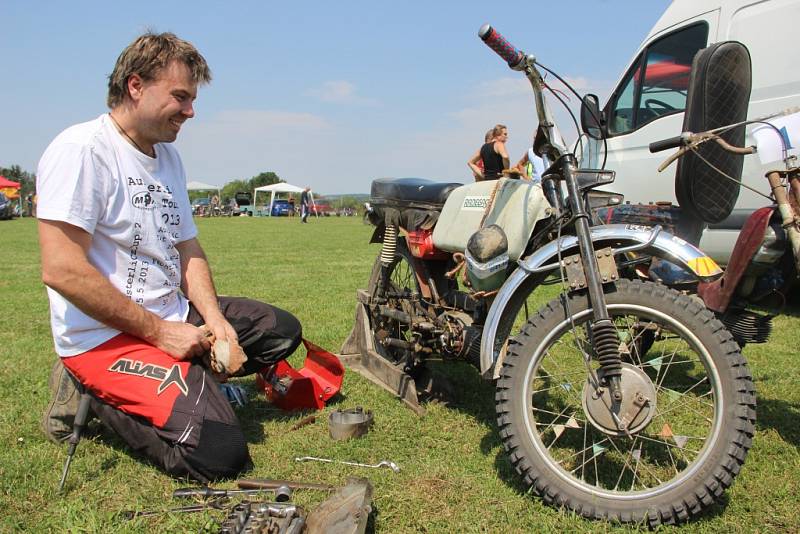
(669, 449)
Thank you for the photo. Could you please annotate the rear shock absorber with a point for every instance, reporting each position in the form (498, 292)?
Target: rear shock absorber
(606, 346)
(389, 245)
(388, 251)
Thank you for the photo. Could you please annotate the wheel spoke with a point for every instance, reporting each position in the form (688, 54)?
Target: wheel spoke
(664, 368)
(645, 467)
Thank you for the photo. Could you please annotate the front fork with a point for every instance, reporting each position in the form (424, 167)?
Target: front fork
(603, 334)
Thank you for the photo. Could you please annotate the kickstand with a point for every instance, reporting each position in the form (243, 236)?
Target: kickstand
(77, 429)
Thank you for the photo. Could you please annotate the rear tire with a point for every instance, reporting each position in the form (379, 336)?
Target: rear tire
(692, 436)
(402, 295)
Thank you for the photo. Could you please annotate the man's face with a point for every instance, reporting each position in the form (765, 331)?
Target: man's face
(165, 103)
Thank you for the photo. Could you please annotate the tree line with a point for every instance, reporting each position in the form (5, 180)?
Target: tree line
(27, 182)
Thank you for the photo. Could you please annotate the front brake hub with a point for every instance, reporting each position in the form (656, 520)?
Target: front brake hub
(634, 413)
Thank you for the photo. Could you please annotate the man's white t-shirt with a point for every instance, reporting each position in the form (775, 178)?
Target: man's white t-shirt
(136, 208)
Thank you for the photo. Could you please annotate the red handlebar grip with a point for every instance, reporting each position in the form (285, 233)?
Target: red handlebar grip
(500, 45)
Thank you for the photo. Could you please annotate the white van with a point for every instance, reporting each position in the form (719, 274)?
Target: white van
(648, 102)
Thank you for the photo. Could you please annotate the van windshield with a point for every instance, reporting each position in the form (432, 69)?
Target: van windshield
(658, 81)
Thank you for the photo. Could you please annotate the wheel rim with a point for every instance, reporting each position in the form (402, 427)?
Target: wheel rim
(402, 287)
(672, 446)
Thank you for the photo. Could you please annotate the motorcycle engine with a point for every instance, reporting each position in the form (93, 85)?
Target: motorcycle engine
(460, 339)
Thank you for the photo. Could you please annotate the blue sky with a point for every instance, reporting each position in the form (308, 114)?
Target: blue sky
(326, 94)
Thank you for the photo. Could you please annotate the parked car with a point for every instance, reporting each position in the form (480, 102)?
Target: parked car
(6, 207)
(243, 201)
(200, 206)
(281, 208)
(323, 209)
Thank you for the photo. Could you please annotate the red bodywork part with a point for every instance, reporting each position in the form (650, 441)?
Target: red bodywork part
(307, 388)
(717, 294)
(420, 244)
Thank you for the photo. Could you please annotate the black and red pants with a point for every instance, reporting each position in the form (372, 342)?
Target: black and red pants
(173, 412)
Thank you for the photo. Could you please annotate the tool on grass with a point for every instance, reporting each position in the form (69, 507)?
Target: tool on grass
(250, 517)
(350, 423)
(283, 493)
(383, 463)
(303, 422)
(214, 504)
(77, 430)
(268, 483)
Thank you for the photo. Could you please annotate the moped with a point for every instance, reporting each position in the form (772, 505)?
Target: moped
(620, 399)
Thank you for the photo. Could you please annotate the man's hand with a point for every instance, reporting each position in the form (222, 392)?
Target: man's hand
(180, 340)
(221, 328)
(226, 357)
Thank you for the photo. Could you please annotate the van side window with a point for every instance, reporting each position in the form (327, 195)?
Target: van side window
(622, 112)
(657, 86)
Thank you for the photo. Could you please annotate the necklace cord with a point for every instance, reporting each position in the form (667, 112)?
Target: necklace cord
(131, 139)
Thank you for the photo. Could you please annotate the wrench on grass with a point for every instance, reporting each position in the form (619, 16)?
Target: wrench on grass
(383, 463)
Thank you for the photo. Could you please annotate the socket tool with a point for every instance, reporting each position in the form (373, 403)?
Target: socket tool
(282, 493)
(269, 483)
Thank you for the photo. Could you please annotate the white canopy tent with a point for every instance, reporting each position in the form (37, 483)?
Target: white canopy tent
(200, 186)
(281, 187)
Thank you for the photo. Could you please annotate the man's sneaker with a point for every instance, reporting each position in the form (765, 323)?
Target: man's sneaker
(65, 398)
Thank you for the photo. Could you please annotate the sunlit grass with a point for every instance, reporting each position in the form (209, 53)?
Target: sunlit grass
(455, 476)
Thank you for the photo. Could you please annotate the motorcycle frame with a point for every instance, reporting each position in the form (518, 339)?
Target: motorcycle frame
(532, 270)
(545, 260)
(584, 239)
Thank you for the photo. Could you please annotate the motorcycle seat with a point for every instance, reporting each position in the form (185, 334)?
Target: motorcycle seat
(407, 191)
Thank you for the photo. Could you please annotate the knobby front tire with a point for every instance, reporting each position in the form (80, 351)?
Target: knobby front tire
(684, 447)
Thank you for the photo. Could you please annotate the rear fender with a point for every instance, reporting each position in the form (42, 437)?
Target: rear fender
(622, 238)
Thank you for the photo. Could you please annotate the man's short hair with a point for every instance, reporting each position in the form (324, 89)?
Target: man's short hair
(147, 56)
(489, 135)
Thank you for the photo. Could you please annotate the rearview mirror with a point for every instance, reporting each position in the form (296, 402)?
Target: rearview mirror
(592, 121)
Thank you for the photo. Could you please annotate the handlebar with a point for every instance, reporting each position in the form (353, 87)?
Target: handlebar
(688, 141)
(553, 145)
(666, 144)
(511, 54)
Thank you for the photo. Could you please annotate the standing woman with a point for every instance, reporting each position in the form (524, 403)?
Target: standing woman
(493, 155)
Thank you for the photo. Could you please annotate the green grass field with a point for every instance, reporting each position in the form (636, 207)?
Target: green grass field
(455, 476)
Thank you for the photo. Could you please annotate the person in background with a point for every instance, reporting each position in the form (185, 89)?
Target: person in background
(487, 137)
(304, 204)
(291, 206)
(531, 166)
(214, 205)
(133, 307)
(493, 156)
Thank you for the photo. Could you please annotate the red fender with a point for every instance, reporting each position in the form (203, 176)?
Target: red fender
(717, 294)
